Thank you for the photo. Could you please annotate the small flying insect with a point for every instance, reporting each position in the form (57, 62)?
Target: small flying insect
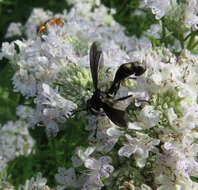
(104, 101)
(52, 22)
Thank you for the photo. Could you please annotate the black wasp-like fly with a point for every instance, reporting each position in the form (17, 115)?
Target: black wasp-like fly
(106, 100)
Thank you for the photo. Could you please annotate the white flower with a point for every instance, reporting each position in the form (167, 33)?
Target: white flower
(139, 146)
(158, 7)
(24, 83)
(154, 30)
(67, 178)
(56, 108)
(14, 29)
(97, 169)
(81, 156)
(38, 183)
(147, 118)
(8, 50)
(53, 99)
(191, 18)
(178, 183)
(187, 122)
(28, 114)
(180, 156)
(185, 184)
(139, 96)
(142, 46)
(104, 137)
(129, 148)
(15, 140)
(113, 55)
(114, 132)
(56, 45)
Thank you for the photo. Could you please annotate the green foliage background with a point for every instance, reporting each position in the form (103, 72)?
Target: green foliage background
(49, 154)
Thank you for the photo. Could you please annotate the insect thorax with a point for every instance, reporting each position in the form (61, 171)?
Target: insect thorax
(94, 104)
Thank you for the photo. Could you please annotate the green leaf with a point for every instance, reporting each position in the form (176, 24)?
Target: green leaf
(194, 51)
(154, 40)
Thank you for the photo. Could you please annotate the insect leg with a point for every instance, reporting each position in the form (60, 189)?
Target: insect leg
(96, 130)
(134, 78)
(123, 98)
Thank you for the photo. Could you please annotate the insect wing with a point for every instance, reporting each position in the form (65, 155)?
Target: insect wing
(122, 103)
(117, 116)
(96, 59)
(124, 71)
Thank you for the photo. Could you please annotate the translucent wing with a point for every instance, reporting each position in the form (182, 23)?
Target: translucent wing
(117, 116)
(124, 71)
(122, 103)
(96, 59)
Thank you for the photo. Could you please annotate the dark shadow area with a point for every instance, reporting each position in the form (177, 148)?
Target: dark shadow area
(8, 99)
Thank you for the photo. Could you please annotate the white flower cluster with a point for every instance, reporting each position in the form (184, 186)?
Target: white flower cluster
(53, 69)
(45, 60)
(14, 29)
(38, 183)
(15, 140)
(180, 11)
(158, 7)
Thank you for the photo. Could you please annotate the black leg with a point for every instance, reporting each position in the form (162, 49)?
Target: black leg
(123, 98)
